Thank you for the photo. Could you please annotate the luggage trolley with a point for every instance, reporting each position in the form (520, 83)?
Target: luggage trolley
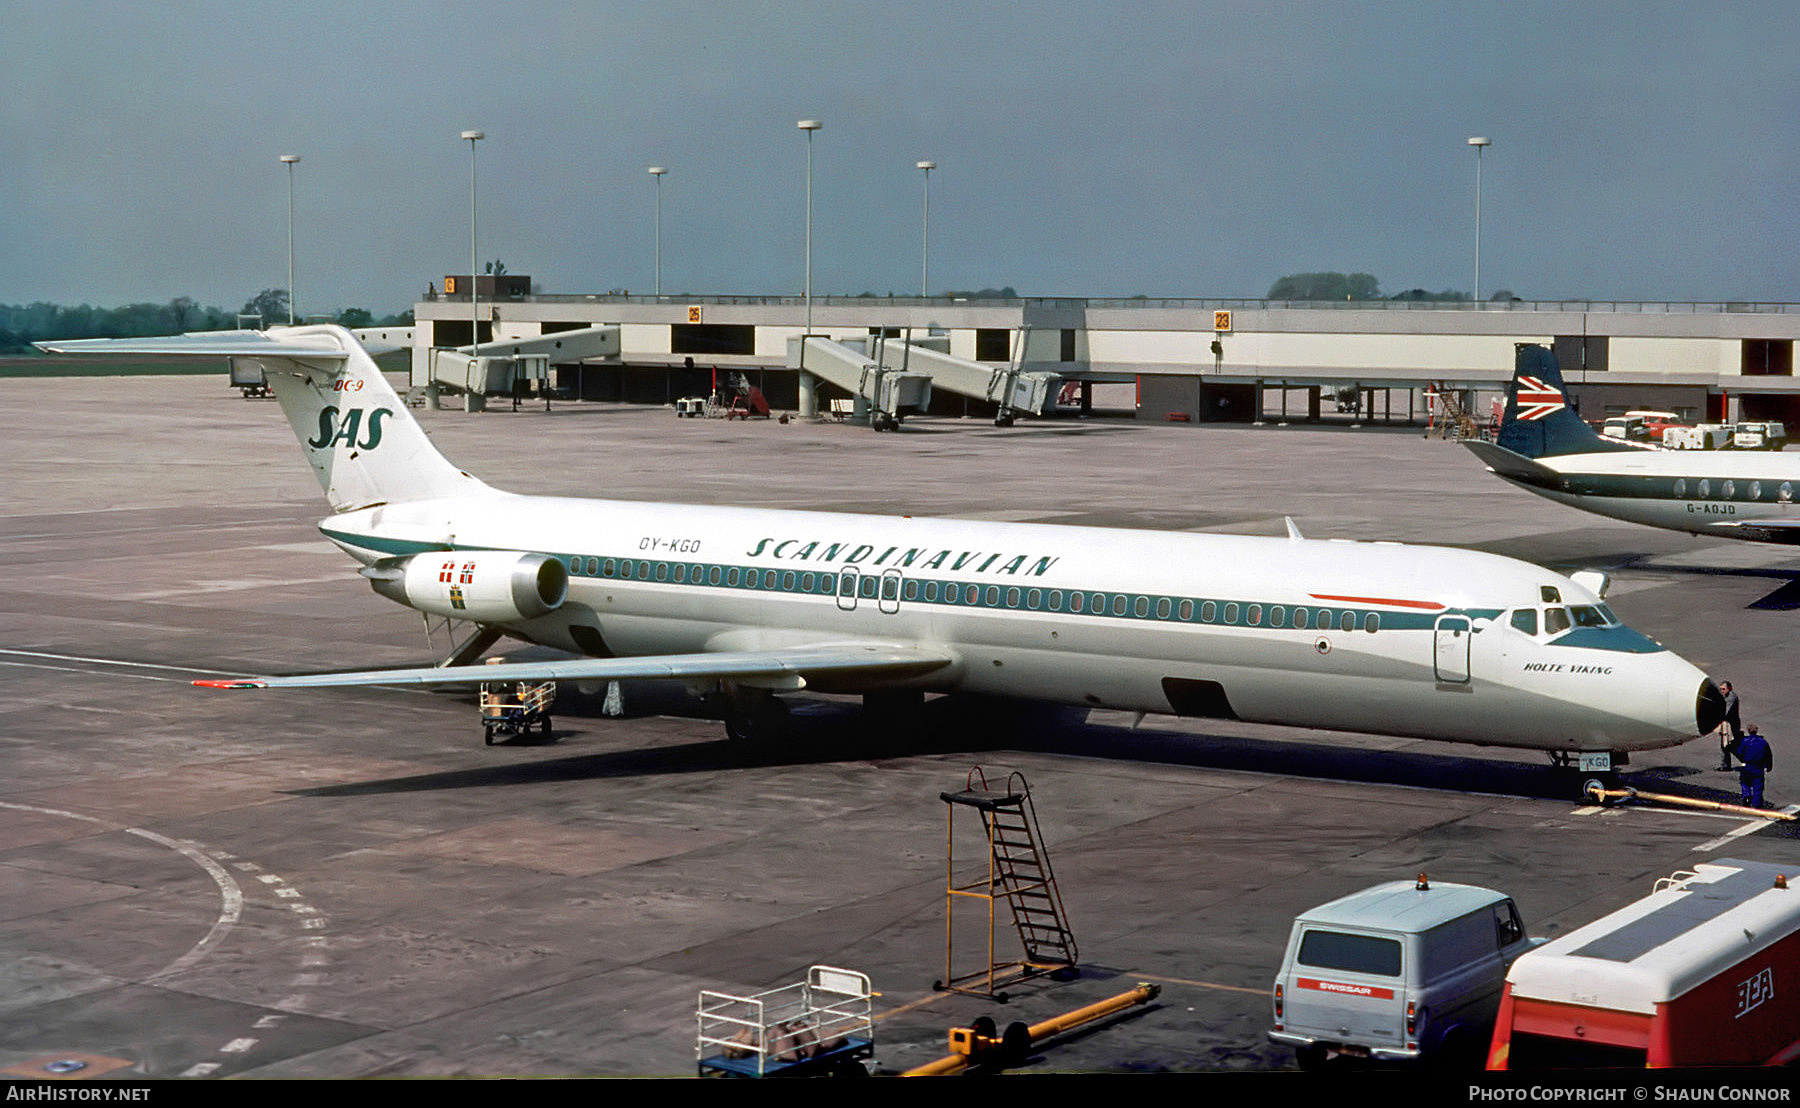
(515, 707)
(819, 1027)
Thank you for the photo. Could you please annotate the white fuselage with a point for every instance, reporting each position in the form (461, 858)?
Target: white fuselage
(1723, 493)
(1350, 636)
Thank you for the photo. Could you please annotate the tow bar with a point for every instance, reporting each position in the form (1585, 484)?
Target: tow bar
(1607, 796)
(979, 1045)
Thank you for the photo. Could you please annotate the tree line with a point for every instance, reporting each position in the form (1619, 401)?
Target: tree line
(1357, 286)
(23, 324)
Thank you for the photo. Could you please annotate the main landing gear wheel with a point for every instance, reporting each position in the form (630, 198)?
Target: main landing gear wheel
(762, 722)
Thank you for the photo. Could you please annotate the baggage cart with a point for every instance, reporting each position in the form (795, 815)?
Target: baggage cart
(818, 1027)
(513, 708)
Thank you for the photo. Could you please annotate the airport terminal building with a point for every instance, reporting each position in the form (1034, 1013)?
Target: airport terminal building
(1191, 360)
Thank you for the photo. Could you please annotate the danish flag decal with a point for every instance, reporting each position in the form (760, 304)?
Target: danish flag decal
(1537, 399)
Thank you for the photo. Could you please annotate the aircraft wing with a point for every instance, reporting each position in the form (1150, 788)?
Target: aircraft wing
(1514, 466)
(836, 659)
(1773, 530)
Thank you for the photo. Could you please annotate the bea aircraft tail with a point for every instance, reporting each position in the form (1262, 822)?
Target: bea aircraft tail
(362, 442)
(1540, 421)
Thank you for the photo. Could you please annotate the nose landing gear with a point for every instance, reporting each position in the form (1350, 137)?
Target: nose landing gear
(1597, 769)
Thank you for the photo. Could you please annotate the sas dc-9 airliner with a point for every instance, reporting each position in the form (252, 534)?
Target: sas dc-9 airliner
(746, 604)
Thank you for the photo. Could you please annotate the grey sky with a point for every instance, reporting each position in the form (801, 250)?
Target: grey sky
(1641, 150)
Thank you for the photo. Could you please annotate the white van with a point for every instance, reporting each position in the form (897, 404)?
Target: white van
(1629, 428)
(1399, 972)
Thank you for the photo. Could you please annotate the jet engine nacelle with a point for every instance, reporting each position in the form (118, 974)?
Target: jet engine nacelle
(483, 586)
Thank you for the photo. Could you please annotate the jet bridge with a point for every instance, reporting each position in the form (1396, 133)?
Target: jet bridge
(1009, 388)
(892, 377)
(499, 367)
(883, 395)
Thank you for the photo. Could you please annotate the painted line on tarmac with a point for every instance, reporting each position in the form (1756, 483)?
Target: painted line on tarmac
(1196, 984)
(190, 670)
(229, 892)
(90, 673)
(230, 895)
(48, 656)
(309, 922)
(1750, 827)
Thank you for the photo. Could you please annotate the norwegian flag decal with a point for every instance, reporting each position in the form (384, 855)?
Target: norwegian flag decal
(1537, 400)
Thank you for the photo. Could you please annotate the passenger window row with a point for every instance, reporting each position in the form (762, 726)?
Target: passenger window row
(889, 587)
(1705, 488)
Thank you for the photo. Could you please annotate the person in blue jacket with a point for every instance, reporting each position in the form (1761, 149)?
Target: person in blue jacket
(1757, 760)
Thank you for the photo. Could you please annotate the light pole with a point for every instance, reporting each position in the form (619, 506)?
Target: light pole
(658, 172)
(474, 286)
(809, 397)
(1479, 144)
(809, 126)
(925, 249)
(290, 159)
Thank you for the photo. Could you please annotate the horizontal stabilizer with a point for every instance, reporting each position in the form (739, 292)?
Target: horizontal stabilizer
(1514, 467)
(357, 434)
(869, 659)
(232, 344)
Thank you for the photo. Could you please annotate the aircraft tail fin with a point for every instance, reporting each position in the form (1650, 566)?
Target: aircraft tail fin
(362, 442)
(1540, 421)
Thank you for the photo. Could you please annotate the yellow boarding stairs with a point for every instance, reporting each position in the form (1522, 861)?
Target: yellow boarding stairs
(1018, 873)
(1452, 419)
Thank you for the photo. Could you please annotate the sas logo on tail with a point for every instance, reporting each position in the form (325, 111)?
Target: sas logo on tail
(1537, 399)
(333, 430)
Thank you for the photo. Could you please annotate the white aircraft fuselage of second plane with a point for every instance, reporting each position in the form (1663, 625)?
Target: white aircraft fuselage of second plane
(1375, 637)
(1543, 446)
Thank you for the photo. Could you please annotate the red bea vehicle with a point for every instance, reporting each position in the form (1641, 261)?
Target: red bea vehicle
(1655, 423)
(1705, 971)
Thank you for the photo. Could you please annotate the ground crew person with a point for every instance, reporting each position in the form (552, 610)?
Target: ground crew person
(1758, 760)
(1727, 745)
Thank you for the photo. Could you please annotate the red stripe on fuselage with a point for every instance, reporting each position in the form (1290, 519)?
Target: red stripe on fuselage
(1389, 601)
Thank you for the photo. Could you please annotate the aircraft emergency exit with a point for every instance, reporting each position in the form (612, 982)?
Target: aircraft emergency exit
(744, 604)
(1545, 447)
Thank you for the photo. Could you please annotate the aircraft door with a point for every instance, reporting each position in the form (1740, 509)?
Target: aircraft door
(1451, 661)
(890, 591)
(846, 589)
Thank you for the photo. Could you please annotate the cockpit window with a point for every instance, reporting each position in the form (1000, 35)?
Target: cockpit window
(1556, 621)
(1586, 615)
(1611, 620)
(1550, 594)
(1525, 619)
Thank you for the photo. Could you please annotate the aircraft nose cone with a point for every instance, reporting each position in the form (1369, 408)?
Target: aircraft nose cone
(1709, 707)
